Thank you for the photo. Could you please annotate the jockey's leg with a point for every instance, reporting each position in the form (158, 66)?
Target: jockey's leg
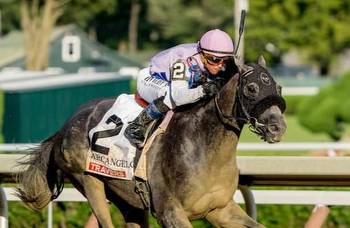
(136, 129)
(231, 216)
(95, 193)
(152, 89)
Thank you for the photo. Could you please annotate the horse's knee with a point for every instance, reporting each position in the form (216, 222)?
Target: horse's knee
(173, 216)
(231, 216)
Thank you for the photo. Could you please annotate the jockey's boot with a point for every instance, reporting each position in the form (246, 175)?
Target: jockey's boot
(136, 130)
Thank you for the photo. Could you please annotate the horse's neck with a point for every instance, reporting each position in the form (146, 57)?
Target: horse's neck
(218, 143)
(201, 129)
(227, 107)
(224, 137)
(227, 96)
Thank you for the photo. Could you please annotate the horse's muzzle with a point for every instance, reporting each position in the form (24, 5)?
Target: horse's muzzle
(275, 132)
(274, 124)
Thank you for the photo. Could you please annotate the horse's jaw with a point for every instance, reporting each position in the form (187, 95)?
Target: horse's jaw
(275, 124)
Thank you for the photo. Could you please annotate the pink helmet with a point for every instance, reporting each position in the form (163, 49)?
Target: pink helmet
(217, 43)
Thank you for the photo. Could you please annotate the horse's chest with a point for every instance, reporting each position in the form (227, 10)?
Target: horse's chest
(214, 198)
(214, 192)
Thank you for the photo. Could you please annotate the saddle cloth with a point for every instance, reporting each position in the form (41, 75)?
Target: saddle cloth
(110, 153)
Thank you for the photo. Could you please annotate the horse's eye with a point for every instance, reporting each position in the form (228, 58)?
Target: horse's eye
(265, 79)
(251, 90)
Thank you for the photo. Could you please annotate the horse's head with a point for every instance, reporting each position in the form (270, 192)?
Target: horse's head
(256, 99)
(259, 101)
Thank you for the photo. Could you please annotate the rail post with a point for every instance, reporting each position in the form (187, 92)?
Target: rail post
(250, 206)
(3, 209)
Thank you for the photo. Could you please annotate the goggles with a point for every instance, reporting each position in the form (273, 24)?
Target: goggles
(214, 60)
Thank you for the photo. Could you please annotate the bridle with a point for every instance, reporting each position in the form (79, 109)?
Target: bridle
(231, 120)
(242, 116)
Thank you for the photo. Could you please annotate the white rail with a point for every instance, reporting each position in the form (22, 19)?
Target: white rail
(294, 146)
(259, 170)
(283, 146)
(306, 91)
(16, 147)
(290, 197)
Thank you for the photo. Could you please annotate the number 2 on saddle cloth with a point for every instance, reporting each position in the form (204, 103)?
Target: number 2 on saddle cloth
(112, 132)
(105, 134)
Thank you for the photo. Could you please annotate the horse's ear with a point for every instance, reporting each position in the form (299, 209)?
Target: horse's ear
(241, 66)
(262, 61)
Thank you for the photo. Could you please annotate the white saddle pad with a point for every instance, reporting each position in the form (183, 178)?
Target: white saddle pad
(111, 154)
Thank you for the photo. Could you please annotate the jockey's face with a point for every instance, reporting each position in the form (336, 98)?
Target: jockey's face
(214, 69)
(214, 64)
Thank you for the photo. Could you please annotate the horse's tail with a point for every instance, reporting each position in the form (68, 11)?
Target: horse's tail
(41, 181)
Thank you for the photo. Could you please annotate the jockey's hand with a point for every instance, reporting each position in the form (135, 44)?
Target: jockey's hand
(211, 88)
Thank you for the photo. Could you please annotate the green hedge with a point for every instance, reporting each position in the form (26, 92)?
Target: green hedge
(292, 103)
(328, 111)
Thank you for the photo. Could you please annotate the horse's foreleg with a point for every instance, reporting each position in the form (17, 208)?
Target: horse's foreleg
(135, 218)
(231, 216)
(95, 193)
(173, 216)
(169, 211)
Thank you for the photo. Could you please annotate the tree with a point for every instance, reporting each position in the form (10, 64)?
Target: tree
(133, 25)
(326, 33)
(9, 16)
(84, 13)
(318, 29)
(177, 21)
(116, 22)
(37, 22)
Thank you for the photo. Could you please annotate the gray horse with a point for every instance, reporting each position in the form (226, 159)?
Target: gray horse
(191, 167)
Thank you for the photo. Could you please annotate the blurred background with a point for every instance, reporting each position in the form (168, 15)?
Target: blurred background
(58, 54)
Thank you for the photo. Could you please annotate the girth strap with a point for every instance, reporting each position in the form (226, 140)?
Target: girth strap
(142, 188)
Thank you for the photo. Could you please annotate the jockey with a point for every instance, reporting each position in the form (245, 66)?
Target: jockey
(182, 75)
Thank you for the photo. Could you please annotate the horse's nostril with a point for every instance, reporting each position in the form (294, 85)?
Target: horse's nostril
(273, 128)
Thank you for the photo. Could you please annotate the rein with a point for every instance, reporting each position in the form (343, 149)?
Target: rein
(226, 120)
(231, 121)
(255, 126)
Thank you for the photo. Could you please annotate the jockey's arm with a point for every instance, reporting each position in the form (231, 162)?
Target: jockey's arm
(180, 94)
